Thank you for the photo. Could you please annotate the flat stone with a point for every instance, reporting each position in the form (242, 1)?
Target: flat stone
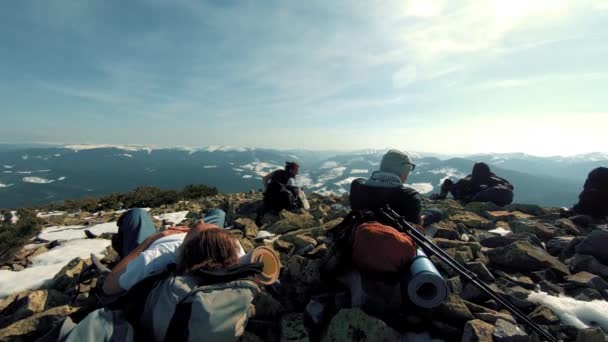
(302, 241)
(586, 279)
(454, 308)
(33, 327)
(505, 331)
(356, 325)
(595, 244)
(543, 230)
(591, 335)
(544, 316)
(525, 257)
(470, 220)
(584, 262)
(481, 270)
(293, 329)
(477, 331)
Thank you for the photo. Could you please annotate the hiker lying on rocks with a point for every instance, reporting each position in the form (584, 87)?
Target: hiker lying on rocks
(593, 200)
(387, 186)
(281, 191)
(482, 185)
(145, 252)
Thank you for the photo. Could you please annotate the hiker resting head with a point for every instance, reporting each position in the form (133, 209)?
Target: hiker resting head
(292, 167)
(398, 163)
(208, 249)
(481, 171)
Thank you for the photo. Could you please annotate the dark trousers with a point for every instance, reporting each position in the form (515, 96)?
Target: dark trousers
(135, 225)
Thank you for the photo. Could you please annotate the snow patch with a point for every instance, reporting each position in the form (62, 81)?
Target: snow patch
(52, 213)
(210, 166)
(260, 168)
(24, 172)
(237, 169)
(7, 171)
(37, 180)
(2, 185)
(176, 217)
(354, 171)
(422, 188)
(500, 231)
(76, 232)
(127, 155)
(330, 164)
(247, 176)
(61, 178)
(46, 266)
(9, 166)
(346, 181)
(25, 157)
(573, 312)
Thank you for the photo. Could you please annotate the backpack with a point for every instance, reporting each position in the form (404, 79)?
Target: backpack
(214, 306)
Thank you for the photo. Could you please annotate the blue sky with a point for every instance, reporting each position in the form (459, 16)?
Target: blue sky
(421, 75)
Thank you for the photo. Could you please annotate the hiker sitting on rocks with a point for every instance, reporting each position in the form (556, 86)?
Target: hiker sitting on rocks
(281, 191)
(482, 185)
(386, 186)
(593, 200)
(145, 252)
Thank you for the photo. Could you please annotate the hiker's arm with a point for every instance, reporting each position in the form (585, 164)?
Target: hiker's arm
(111, 284)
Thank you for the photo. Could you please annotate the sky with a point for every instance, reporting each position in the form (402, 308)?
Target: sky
(444, 76)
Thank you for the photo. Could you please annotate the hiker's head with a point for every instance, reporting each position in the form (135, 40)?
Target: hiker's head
(397, 162)
(292, 167)
(446, 186)
(209, 249)
(481, 170)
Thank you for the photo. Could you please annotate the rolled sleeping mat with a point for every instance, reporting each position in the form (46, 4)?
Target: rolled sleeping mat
(423, 284)
(271, 261)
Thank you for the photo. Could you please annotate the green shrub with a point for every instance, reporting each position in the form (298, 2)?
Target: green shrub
(15, 235)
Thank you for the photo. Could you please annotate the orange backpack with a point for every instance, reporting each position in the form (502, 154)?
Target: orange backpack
(379, 248)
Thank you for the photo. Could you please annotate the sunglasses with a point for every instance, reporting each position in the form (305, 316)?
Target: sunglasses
(413, 166)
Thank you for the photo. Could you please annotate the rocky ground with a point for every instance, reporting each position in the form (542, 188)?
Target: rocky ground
(553, 269)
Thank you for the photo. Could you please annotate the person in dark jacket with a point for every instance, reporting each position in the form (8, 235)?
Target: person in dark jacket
(387, 186)
(281, 191)
(482, 185)
(593, 200)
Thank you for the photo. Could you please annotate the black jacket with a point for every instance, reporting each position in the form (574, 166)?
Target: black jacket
(404, 200)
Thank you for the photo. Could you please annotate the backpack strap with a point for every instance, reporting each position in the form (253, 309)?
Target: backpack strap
(178, 327)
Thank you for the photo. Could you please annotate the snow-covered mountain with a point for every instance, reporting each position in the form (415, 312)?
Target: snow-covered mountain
(36, 175)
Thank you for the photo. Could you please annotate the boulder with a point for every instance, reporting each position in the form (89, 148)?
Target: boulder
(66, 279)
(583, 262)
(556, 245)
(502, 215)
(29, 303)
(35, 326)
(481, 271)
(530, 209)
(568, 226)
(290, 221)
(470, 220)
(544, 316)
(544, 231)
(301, 241)
(525, 257)
(595, 244)
(587, 280)
(477, 331)
(454, 309)
(481, 208)
(505, 331)
(501, 241)
(248, 226)
(356, 325)
(293, 329)
(591, 335)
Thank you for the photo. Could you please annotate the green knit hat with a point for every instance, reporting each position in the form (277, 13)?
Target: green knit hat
(396, 162)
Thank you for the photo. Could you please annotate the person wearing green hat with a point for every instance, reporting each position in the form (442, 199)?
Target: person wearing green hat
(387, 186)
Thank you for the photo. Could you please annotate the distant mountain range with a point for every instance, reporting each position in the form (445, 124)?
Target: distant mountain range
(43, 174)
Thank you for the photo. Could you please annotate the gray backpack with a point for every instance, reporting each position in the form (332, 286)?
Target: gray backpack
(205, 306)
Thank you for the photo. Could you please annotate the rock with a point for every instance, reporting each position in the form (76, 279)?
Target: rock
(487, 315)
(518, 296)
(444, 232)
(290, 221)
(470, 220)
(595, 244)
(266, 307)
(17, 267)
(332, 223)
(355, 325)
(35, 326)
(455, 309)
(66, 279)
(530, 209)
(477, 331)
(583, 262)
(585, 294)
(248, 226)
(501, 241)
(293, 329)
(443, 243)
(304, 270)
(283, 246)
(568, 226)
(29, 303)
(544, 316)
(556, 245)
(455, 285)
(318, 252)
(588, 280)
(481, 270)
(302, 241)
(525, 257)
(506, 215)
(505, 331)
(582, 220)
(542, 230)
(591, 335)
(481, 208)
(551, 288)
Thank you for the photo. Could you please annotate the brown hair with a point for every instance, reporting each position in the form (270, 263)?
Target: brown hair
(211, 249)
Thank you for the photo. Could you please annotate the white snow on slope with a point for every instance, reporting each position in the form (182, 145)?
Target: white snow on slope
(45, 266)
(76, 232)
(224, 149)
(52, 213)
(346, 181)
(61, 178)
(260, 168)
(9, 166)
(332, 174)
(132, 148)
(330, 164)
(7, 171)
(573, 312)
(25, 172)
(449, 172)
(127, 155)
(247, 176)
(176, 217)
(37, 180)
(422, 188)
(500, 231)
(2, 185)
(353, 171)
(210, 166)
(14, 217)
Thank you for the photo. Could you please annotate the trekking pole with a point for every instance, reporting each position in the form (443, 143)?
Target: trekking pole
(430, 247)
